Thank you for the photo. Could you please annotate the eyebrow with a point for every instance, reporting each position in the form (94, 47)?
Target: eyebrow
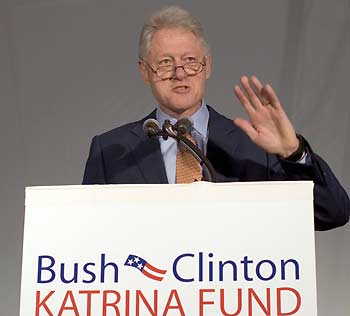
(187, 54)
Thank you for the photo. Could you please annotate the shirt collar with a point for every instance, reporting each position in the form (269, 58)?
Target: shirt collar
(200, 119)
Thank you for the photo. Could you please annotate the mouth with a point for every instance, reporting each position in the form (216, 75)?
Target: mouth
(181, 89)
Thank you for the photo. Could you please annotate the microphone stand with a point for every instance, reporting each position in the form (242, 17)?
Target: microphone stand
(168, 131)
(197, 153)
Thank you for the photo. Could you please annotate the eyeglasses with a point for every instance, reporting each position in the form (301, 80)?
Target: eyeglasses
(191, 68)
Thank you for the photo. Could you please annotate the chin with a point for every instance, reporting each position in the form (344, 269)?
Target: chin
(188, 110)
(182, 107)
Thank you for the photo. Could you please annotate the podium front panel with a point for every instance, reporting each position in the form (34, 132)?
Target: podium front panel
(200, 250)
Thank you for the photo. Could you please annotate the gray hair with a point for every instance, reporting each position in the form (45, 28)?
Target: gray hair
(170, 17)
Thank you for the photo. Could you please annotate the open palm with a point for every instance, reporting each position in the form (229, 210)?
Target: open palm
(268, 126)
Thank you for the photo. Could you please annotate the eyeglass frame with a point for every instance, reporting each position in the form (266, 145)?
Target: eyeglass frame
(202, 63)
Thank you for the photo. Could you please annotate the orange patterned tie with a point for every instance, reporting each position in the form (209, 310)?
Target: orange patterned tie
(188, 168)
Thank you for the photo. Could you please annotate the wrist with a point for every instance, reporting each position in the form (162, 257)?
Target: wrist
(299, 153)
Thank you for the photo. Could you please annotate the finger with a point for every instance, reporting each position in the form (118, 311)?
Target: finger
(252, 95)
(258, 86)
(269, 93)
(243, 100)
(246, 127)
(256, 83)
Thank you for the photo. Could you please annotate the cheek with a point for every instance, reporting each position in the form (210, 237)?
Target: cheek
(160, 89)
(200, 85)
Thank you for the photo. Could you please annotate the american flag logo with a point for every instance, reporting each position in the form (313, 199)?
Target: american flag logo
(145, 267)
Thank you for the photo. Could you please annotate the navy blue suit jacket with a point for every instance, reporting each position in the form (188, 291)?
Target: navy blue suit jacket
(126, 155)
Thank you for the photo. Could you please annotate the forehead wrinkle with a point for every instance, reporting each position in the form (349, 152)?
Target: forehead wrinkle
(171, 42)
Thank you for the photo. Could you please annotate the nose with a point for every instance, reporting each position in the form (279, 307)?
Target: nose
(179, 73)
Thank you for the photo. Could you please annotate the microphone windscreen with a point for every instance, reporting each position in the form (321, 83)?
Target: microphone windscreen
(151, 127)
(184, 125)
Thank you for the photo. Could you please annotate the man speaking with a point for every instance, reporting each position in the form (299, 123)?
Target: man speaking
(175, 61)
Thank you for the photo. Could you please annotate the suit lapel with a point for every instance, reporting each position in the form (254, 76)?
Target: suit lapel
(222, 143)
(147, 155)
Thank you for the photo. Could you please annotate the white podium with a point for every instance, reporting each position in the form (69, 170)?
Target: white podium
(202, 249)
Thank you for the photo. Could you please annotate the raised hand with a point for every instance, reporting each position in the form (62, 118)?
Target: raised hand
(268, 126)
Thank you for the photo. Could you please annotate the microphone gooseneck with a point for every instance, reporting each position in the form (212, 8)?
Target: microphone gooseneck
(197, 153)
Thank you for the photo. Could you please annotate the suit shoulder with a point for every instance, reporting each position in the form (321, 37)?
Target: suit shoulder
(121, 130)
(124, 132)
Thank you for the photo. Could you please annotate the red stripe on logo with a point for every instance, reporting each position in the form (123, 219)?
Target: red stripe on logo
(149, 266)
(154, 277)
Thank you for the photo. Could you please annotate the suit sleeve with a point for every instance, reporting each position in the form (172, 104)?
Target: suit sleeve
(95, 169)
(331, 202)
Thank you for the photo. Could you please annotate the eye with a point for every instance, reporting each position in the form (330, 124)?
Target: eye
(165, 61)
(190, 59)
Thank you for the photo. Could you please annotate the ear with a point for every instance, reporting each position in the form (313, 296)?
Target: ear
(208, 67)
(143, 72)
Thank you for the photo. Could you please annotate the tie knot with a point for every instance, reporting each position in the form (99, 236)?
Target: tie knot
(189, 137)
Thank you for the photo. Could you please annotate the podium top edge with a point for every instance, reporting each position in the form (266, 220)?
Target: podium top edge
(203, 192)
(173, 186)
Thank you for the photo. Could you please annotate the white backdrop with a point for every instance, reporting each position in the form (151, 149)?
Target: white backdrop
(68, 71)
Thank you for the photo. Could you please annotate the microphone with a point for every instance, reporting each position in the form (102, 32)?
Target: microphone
(183, 126)
(178, 131)
(151, 127)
